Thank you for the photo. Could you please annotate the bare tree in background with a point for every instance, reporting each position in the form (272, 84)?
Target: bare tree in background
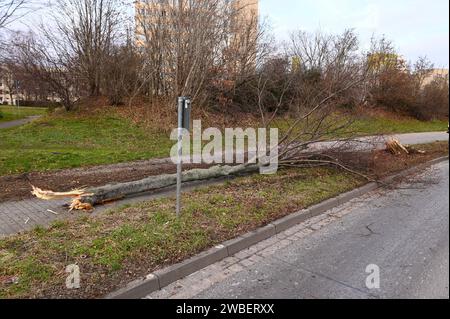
(84, 32)
(40, 62)
(121, 76)
(399, 87)
(422, 68)
(190, 46)
(72, 52)
(11, 10)
(7, 71)
(434, 99)
(318, 75)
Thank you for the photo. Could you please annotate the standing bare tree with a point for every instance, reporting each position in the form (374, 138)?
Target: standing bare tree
(56, 72)
(422, 68)
(72, 51)
(11, 10)
(121, 77)
(84, 32)
(318, 74)
(190, 46)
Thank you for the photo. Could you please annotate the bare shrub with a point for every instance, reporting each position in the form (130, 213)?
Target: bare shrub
(40, 63)
(434, 100)
(195, 48)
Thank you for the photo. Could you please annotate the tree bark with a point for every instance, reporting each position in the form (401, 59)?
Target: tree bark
(117, 191)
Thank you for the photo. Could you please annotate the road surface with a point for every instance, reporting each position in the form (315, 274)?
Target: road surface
(404, 232)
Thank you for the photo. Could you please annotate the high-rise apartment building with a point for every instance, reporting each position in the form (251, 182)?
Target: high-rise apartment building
(180, 36)
(162, 14)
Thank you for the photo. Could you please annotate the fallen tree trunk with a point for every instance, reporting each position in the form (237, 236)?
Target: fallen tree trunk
(117, 191)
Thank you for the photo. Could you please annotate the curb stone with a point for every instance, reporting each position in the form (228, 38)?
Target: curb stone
(164, 277)
(173, 273)
(137, 289)
(409, 171)
(243, 242)
(291, 220)
(346, 197)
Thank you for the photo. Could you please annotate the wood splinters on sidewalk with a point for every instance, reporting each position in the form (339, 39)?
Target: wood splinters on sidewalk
(50, 195)
(396, 148)
(76, 194)
(413, 150)
(78, 205)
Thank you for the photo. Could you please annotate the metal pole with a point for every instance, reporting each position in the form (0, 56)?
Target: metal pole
(180, 154)
(17, 95)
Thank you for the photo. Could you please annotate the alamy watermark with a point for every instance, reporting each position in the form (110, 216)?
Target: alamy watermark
(261, 146)
(73, 280)
(373, 281)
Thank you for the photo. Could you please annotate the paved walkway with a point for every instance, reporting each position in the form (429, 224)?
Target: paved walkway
(26, 214)
(19, 122)
(379, 142)
(18, 216)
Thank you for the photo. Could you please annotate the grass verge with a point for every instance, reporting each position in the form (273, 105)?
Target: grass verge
(384, 125)
(12, 113)
(71, 140)
(371, 124)
(117, 247)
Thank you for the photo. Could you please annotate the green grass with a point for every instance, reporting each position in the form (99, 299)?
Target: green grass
(369, 125)
(146, 236)
(65, 141)
(378, 125)
(12, 113)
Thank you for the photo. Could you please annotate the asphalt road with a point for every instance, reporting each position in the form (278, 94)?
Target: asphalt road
(404, 232)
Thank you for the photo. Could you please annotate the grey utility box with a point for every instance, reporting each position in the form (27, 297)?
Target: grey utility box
(184, 113)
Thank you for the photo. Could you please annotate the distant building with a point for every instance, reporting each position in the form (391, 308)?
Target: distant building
(248, 11)
(8, 90)
(156, 28)
(16, 92)
(160, 14)
(433, 75)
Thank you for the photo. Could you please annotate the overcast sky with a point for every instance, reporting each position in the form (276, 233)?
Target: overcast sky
(417, 27)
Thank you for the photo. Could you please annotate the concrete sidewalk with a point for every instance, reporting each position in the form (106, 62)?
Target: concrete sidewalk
(18, 216)
(379, 142)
